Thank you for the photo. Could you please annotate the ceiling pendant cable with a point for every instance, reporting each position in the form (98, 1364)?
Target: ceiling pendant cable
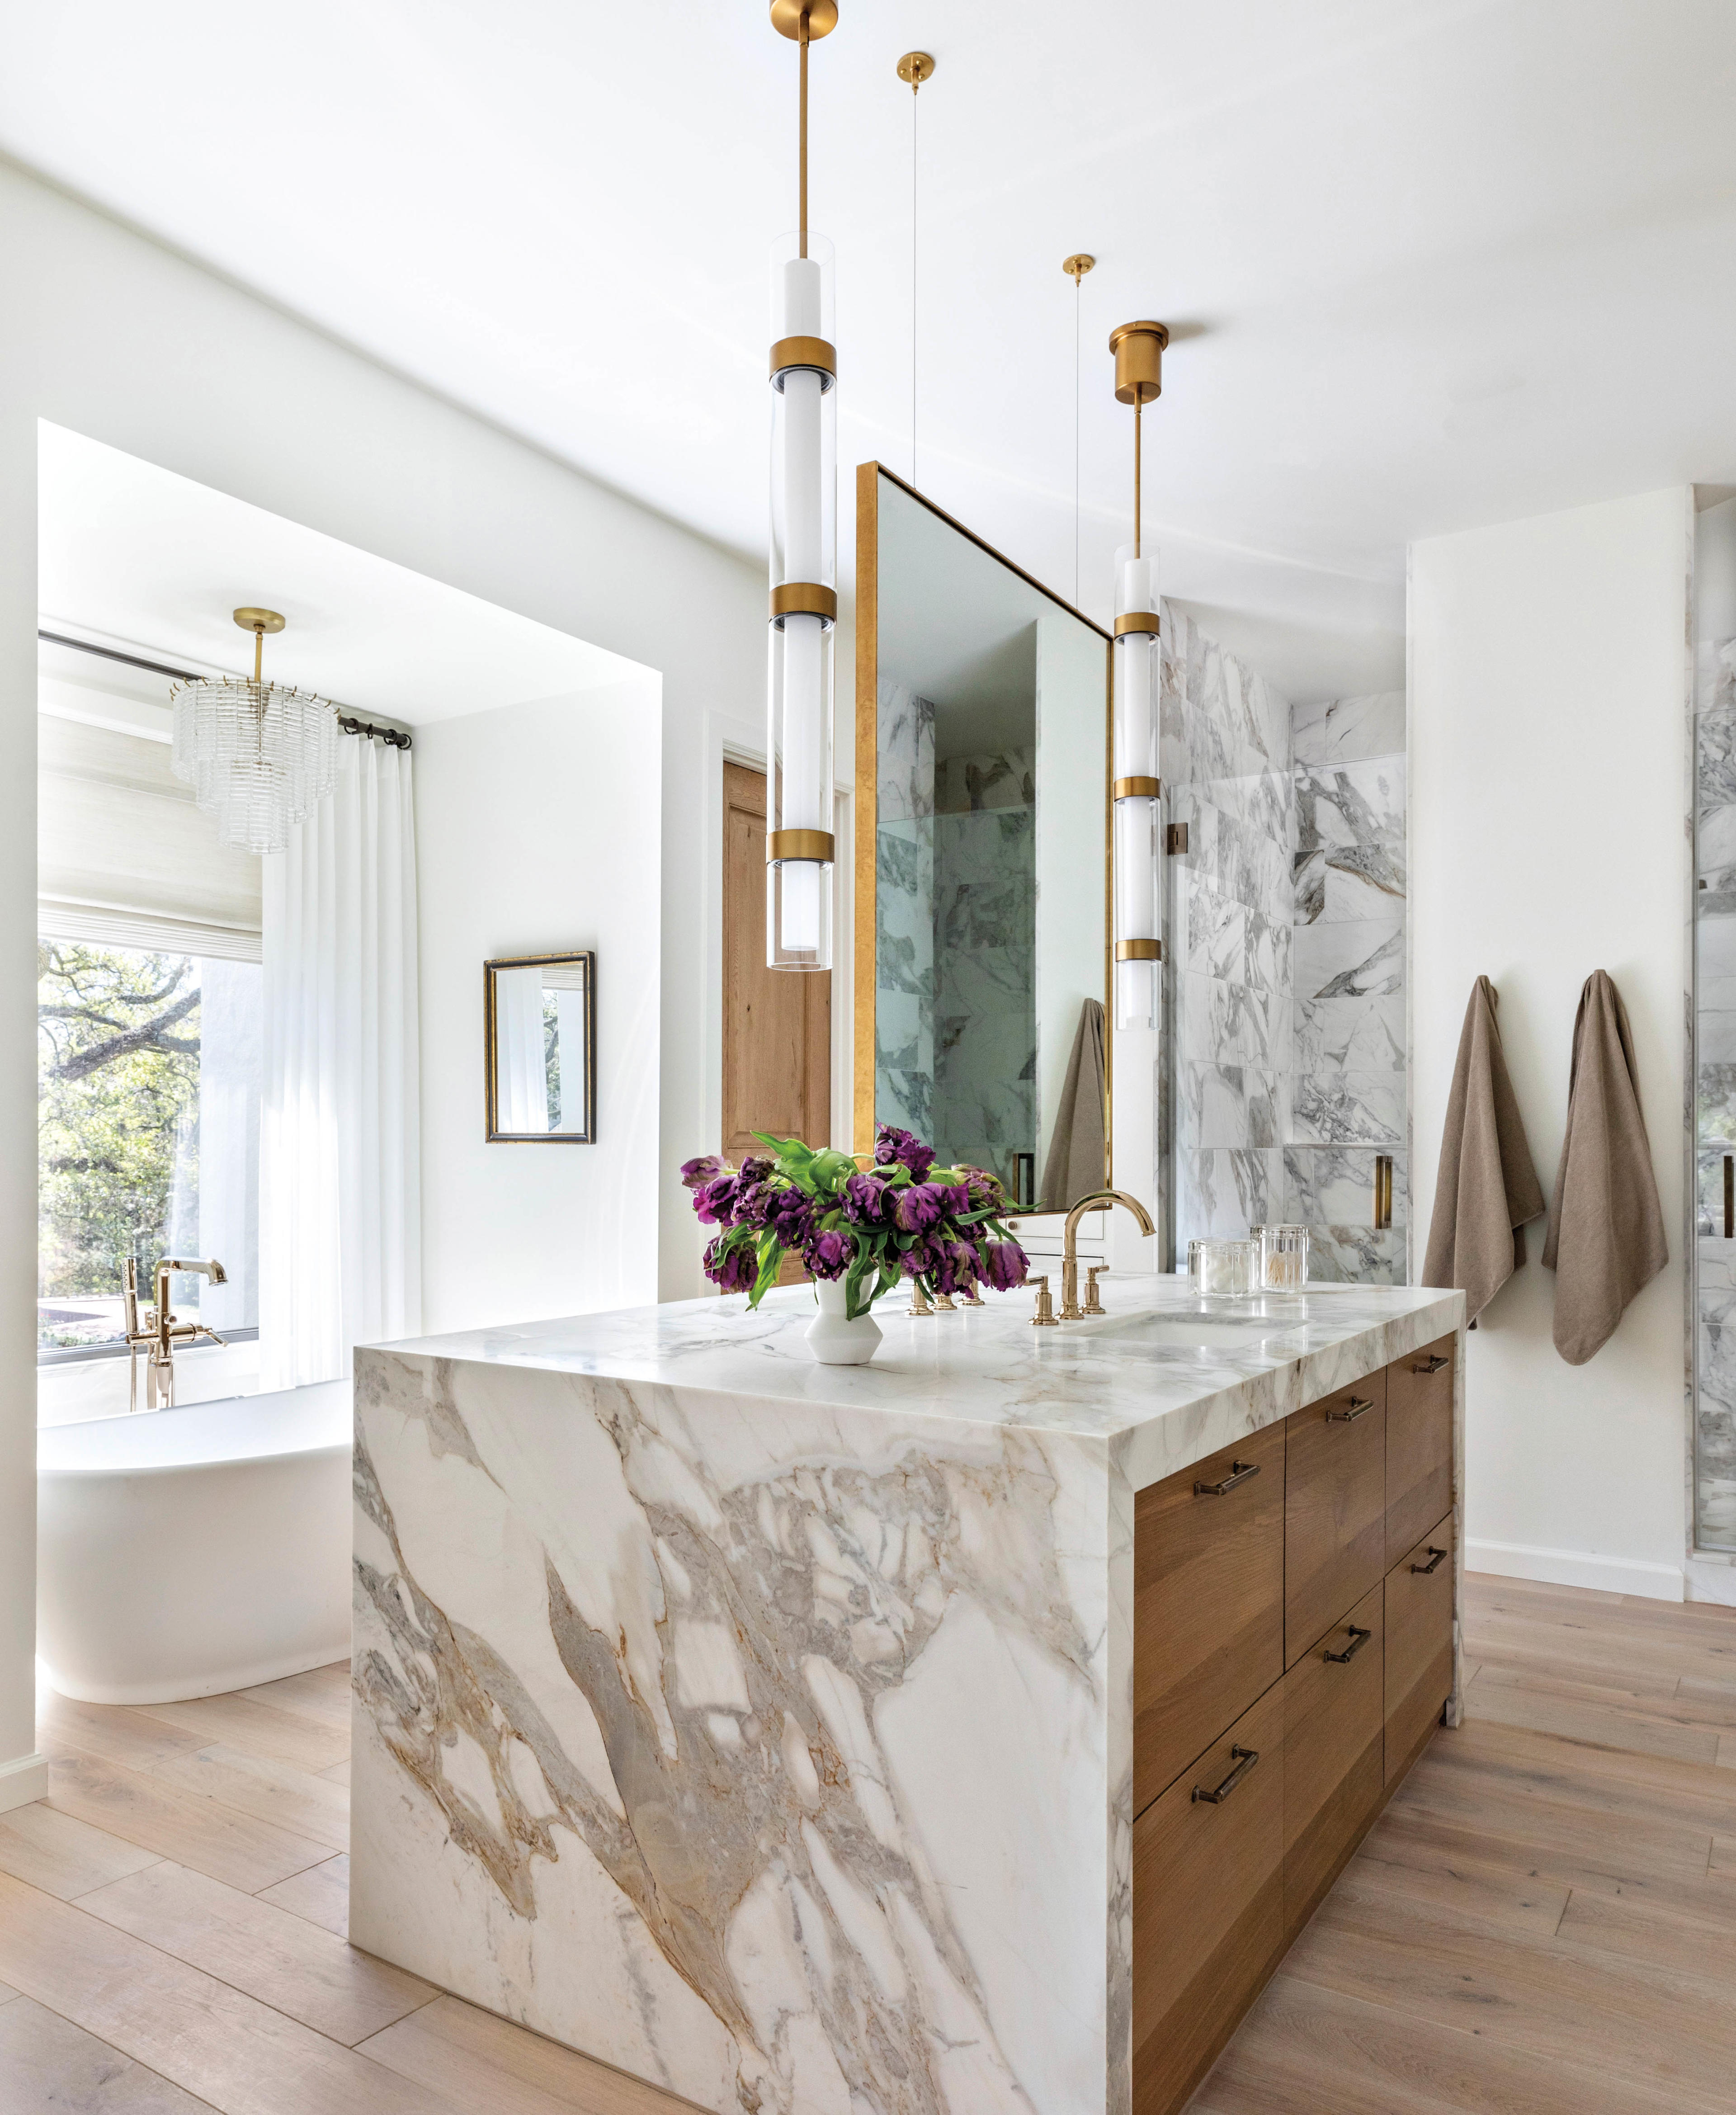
(915, 68)
(1076, 267)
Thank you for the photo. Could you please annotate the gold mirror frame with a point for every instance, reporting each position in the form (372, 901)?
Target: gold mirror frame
(868, 476)
(492, 1134)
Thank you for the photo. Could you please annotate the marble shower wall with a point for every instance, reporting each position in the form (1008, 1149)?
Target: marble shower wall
(1350, 1101)
(1227, 771)
(1715, 1088)
(903, 852)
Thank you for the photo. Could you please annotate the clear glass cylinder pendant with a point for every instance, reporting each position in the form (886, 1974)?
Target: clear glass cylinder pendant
(1138, 806)
(803, 609)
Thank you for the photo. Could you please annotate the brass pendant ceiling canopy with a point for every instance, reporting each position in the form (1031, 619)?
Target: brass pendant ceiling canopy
(916, 67)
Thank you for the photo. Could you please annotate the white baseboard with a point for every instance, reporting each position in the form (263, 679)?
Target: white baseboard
(1576, 1568)
(25, 1778)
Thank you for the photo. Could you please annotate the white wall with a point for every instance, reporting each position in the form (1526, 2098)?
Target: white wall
(105, 333)
(1548, 783)
(504, 866)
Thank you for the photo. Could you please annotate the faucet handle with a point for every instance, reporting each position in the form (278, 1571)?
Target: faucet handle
(1093, 1305)
(1044, 1318)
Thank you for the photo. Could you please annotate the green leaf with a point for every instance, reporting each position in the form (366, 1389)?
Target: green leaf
(770, 1262)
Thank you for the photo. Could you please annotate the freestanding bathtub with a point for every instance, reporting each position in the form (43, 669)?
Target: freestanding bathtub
(183, 1552)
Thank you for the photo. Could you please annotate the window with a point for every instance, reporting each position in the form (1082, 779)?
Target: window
(149, 1113)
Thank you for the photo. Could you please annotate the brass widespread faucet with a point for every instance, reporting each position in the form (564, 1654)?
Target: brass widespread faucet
(1071, 1309)
(160, 1333)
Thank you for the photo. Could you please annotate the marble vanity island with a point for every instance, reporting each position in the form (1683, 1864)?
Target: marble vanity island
(766, 1729)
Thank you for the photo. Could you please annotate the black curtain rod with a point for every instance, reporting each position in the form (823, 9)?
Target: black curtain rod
(393, 738)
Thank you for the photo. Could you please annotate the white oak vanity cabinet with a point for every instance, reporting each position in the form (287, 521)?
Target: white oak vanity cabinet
(1293, 1653)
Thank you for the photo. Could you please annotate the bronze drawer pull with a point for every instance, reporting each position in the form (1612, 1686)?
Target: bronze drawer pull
(1433, 1364)
(1239, 1473)
(1244, 1760)
(1359, 1638)
(1434, 1557)
(1360, 1406)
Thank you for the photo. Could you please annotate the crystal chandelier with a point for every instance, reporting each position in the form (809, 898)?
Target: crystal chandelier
(260, 756)
(804, 563)
(1138, 790)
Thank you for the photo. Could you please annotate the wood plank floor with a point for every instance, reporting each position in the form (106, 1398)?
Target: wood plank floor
(1543, 1921)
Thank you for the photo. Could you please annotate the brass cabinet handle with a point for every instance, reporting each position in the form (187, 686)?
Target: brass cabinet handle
(1360, 1405)
(1244, 1760)
(1239, 1473)
(1359, 1638)
(1434, 1557)
(1432, 1365)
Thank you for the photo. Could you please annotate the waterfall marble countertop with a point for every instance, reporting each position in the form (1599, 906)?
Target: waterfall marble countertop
(1131, 1377)
(765, 1728)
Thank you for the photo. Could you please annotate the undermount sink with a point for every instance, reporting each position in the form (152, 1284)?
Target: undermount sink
(1203, 1332)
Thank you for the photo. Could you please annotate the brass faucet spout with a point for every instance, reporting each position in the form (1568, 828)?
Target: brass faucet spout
(1070, 1311)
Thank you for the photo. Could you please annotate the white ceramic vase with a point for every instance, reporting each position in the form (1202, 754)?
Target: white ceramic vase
(832, 1338)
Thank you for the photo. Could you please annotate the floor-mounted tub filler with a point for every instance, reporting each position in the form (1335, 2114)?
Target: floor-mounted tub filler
(185, 1552)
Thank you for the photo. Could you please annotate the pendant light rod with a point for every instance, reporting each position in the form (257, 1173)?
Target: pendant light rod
(801, 151)
(1139, 428)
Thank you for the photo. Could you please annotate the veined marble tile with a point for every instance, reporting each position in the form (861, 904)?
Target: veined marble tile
(905, 732)
(1357, 1256)
(1715, 958)
(1346, 729)
(1348, 1108)
(1358, 957)
(1362, 1035)
(1716, 1411)
(1004, 778)
(1223, 1192)
(1219, 1024)
(1232, 1105)
(1216, 932)
(1350, 861)
(1334, 1186)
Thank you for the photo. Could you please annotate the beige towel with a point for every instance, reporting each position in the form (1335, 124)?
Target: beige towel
(1606, 1225)
(1487, 1188)
(1076, 1166)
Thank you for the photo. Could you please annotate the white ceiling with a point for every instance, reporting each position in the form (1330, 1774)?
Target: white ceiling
(132, 556)
(1427, 265)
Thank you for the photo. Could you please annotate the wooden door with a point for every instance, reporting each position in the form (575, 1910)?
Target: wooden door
(777, 1023)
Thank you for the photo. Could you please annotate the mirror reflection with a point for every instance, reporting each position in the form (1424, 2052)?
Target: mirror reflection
(541, 1042)
(990, 896)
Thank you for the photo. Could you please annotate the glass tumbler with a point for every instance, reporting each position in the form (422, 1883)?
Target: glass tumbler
(1284, 1259)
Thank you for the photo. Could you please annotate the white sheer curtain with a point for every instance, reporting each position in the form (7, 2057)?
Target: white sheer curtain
(521, 1051)
(340, 1207)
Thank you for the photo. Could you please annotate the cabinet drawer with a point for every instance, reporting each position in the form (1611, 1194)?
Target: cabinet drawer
(1209, 1905)
(1334, 1531)
(1208, 1603)
(1334, 1718)
(1419, 1445)
(1419, 1644)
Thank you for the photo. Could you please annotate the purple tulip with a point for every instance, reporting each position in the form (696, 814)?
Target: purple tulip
(696, 1174)
(827, 1255)
(892, 1146)
(730, 1269)
(790, 1218)
(1004, 1264)
(714, 1203)
(914, 1210)
(865, 1198)
(984, 1188)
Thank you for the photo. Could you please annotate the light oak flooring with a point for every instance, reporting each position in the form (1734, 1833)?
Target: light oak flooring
(1543, 1923)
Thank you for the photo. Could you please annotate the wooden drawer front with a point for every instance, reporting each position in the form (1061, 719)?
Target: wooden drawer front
(1208, 1907)
(1419, 1644)
(1334, 1533)
(1419, 1445)
(1334, 1718)
(1208, 1604)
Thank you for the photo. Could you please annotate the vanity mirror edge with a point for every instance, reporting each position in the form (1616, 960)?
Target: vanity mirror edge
(865, 964)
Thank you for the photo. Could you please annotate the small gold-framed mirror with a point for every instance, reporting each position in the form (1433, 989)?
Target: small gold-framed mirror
(539, 1048)
(982, 930)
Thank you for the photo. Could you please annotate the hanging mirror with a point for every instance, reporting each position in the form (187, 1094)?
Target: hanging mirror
(982, 863)
(539, 1048)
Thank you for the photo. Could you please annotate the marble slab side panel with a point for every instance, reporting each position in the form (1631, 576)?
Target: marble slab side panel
(762, 1749)
(1714, 1513)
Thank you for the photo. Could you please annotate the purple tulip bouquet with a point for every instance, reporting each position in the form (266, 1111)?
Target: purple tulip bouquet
(902, 1218)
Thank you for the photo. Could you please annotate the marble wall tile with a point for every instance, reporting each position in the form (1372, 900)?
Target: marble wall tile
(1357, 1256)
(1715, 953)
(1233, 1105)
(1715, 1405)
(905, 728)
(1224, 1191)
(1346, 729)
(1350, 841)
(1222, 1024)
(985, 1061)
(1364, 1035)
(1334, 1186)
(1000, 778)
(1356, 958)
(1349, 1108)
